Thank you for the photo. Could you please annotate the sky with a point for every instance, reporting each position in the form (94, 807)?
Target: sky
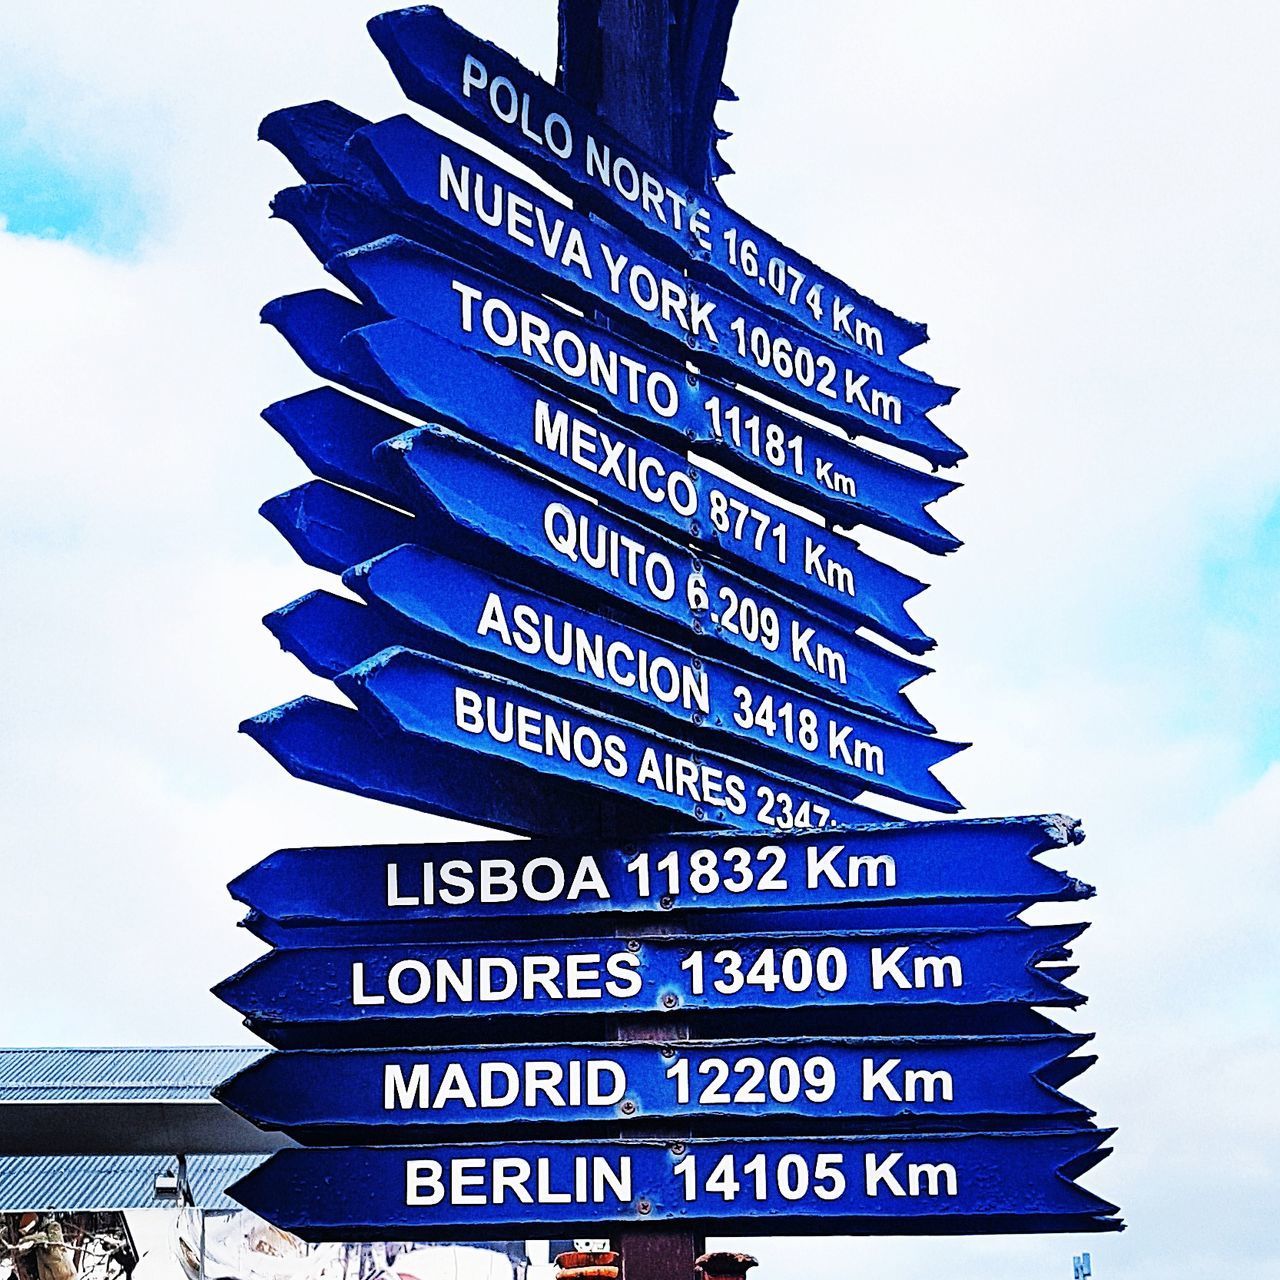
(1082, 202)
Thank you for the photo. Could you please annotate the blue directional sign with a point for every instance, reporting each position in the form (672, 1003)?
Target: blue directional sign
(474, 712)
(336, 434)
(332, 528)
(886, 1184)
(469, 928)
(576, 646)
(588, 555)
(908, 864)
(625, 470)
(621, 671)
(814, 466)
(390, 1095)
(444, 67)
(329, 634)
(315, 323)
(830, 563)
(763, 975)
(322, 742)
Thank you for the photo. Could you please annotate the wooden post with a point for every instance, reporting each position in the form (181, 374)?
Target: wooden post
(652, 69)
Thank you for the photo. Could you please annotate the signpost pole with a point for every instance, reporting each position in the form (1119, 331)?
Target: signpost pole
(652, 71)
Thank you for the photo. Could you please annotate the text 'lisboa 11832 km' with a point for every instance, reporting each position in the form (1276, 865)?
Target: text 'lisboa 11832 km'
(591, 455)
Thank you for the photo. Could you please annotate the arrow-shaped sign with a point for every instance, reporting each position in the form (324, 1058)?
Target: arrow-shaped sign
(456, 493)
(473, 712)
(929, 915)
(332, 745)
(336, 435)
(752, 977)
(456, 193)
(887, 1184)
(458, 612)
(868, 401)
(909, 864)
(331, 528)
(806, 1085)
(330, 636)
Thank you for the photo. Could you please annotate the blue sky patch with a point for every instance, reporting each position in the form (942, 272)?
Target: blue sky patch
(56, 196)
(1240, 608)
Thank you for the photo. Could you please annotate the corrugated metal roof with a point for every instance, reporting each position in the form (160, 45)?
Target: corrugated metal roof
(81, 1183)
(145, 1074)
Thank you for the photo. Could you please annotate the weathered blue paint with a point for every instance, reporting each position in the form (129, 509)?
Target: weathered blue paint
(328, 633)
(752, 976)
(666, 104)
(429, 55)
(336, 434)
(642, 479)
(456, 525)
(459, 612)
(1002, 1182)
(816, 467)
(906, 864)
(314, 324)
(472, 560)
(472, 711)
(313, 138)
(334, 746)
(471, 498)
(866, 399)
(334, 218)
(332, 528)
(395, 1095)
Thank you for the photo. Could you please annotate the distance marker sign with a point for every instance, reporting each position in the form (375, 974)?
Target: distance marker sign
(894, 863)
(974, 1182)
(590, 464)
(399, 1096)
(348, 993)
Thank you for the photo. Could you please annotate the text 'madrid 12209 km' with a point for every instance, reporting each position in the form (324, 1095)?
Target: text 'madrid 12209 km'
(590, 458)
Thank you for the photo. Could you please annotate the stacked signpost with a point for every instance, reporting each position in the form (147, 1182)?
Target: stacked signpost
(601, 592)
